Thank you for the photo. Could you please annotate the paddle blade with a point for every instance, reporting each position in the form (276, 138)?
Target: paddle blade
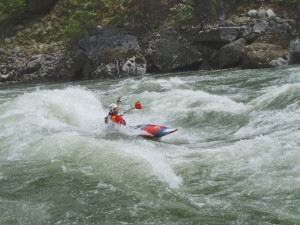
(138, 105)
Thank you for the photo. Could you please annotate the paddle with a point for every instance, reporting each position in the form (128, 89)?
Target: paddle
(136, 106)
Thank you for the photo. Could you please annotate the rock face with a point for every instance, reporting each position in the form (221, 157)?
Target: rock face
(294, 52)
(170, 52)
(38, 6)
(111, 54)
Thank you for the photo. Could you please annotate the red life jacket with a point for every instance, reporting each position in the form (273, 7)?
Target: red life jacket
(118, 119)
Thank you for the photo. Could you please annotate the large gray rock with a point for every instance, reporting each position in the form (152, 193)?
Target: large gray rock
(220, 34)
(231, 54)
(170, 52)
(262, 55)
(111, 54)
(276, 32)
(40, 6)
(294, 52)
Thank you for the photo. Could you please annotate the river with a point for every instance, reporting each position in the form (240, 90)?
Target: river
(234, 159)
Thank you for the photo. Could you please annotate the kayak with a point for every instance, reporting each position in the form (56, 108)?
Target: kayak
(145, 130)
(154, 131)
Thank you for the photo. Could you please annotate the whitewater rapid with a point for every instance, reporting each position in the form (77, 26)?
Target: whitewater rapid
(233, 160)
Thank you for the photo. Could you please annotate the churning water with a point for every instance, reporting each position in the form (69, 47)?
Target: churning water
(235, 158)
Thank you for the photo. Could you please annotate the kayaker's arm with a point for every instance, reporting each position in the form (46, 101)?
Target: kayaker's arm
(118, 104)
(119, 101)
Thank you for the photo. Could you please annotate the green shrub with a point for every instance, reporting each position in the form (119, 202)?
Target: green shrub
(12, 9)
(121, 11)
(182, 15)
(278, 1)
(81, 16)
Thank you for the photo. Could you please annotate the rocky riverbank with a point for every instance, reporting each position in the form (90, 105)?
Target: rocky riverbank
(258, 38)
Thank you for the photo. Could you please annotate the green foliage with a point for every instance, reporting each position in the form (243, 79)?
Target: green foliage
(182, 15)
(278, 1)
(284, 1)
(12, 9)
(121, 11)
(82, 15)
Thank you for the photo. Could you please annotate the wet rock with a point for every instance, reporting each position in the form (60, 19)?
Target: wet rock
(231, 54)
(278, 62)
(294, 52)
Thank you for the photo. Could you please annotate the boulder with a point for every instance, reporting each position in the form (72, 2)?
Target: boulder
(111, 54)
(35, 63)
(261, 55)
(38, 6)
(276, 33)
(270, 13)
(252, 13)
(279, 62)
(221, 34)
(231, 54)
(294, 52)
(261, 14)
(170, 52)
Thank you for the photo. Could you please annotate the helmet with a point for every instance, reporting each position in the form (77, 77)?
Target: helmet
(112, 106)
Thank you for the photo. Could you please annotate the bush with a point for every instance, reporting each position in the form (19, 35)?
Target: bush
(12, 9)
(81, 17)
(122, 11)
(182, 15)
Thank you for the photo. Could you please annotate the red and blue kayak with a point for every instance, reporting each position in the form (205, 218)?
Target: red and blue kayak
(146, 130)
(155, 131)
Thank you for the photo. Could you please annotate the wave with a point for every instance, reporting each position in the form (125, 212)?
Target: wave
(277, 98)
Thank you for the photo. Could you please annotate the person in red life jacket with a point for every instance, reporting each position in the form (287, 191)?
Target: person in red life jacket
(114, 111)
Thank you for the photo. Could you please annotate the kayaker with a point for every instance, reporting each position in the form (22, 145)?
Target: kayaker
(114, 110)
